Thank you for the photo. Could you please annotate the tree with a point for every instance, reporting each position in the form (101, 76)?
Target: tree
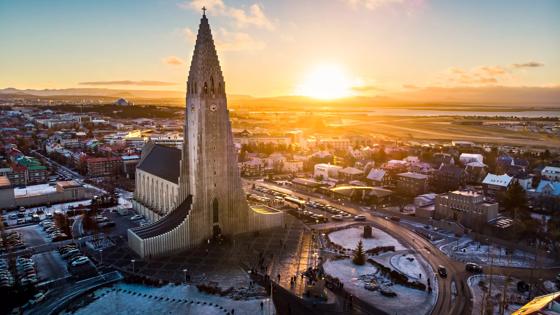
(515, 201)
(359, 255)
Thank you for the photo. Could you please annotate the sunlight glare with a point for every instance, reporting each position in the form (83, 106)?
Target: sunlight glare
(327, 81)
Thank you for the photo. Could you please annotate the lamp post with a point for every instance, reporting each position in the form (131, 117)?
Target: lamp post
(101, 256)
(185, 274)
(133, 261)
(315, 256)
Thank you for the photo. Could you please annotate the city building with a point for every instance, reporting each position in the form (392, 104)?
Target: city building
(412, 184)
(210, 202)
(103, 166)
(43, 194)
(494, 184)
(465, 207)
(326, 171)
(551, 173)
(466, 158)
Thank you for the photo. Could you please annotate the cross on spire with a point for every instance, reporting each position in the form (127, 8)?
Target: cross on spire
(204, 11)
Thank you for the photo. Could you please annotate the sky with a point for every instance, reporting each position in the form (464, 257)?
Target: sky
(269, 48)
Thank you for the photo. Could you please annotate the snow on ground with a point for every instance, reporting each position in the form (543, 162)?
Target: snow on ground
(407, 301)
(409, 265)
(514, 298)
(471, 251)
(551, 286)
(349, 238)
(34, 190)
(111, 302)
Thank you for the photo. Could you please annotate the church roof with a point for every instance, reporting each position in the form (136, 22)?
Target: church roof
(205, 73)
(162, 161)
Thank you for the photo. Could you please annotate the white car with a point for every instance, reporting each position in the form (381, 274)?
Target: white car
(136, 217)
(360, 218)
(80, 261)
(337, 217)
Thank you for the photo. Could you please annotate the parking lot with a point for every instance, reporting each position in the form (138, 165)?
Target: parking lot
(309, 211)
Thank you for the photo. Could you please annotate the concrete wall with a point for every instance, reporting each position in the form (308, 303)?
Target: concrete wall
(7, 201)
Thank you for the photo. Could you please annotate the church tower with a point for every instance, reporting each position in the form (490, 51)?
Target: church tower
(204, 183)
(209, 169)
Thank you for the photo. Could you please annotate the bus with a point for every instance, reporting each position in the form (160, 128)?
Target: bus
(294, 202)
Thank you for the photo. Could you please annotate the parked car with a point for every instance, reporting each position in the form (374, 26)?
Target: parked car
(360, 218)
(472, 267)
(442, 271)
(80, 261)
(337, 217)
(136, 217)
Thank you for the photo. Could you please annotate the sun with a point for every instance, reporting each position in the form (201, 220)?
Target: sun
(326, 81)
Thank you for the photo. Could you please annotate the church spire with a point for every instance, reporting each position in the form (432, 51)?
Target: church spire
(205, 74)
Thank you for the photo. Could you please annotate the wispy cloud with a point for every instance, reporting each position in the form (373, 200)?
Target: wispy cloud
(366, 88)
(408, 6)
(485, 75)
(230, 40)
(173, 60)
(243, 17)
(530, 64)
(128, 82)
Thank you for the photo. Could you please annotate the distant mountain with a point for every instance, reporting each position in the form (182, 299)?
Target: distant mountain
(531, 97)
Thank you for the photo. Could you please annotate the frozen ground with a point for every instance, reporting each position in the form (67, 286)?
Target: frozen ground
(407, 301)
(514, 299)
(467, 250)
(409, 265)
(132, 299)
(349, 238)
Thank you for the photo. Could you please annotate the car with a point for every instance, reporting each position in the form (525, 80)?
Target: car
(360, 218)
(80, 261)
(13, 216)
(337, 217)
(20, 221)
(442, 271)
(69, 253)
(473, 267)
(395, 218)
(136, 217)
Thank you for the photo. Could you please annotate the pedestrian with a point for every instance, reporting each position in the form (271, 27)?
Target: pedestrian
(262, 305)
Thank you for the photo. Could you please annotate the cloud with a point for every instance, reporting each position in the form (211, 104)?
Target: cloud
(230, 40)
(243, 17)
(411, 86)
(129, 82)
(366, 88)
(173, 60)
(372, 4)
(477, 76)
(530, 64)
(485, 75)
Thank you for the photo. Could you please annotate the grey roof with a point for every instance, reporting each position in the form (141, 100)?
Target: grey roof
(162, 161)
(167, 223)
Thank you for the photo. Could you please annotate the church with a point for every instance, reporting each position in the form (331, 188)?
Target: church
(194, 194)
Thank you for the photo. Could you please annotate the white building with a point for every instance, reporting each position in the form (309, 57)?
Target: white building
(551, 173)
(326, 171)
(466, 158)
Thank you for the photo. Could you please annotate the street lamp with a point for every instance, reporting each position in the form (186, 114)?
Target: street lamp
(185, 274)
(315, 256)
(133, 261)
(101, 256)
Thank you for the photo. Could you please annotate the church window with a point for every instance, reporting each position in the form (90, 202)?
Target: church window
(205, 88)
(212, 84)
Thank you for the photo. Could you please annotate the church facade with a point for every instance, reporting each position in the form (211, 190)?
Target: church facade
(195, 194)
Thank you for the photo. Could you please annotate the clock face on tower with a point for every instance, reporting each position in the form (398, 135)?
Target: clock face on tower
(213, 107)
